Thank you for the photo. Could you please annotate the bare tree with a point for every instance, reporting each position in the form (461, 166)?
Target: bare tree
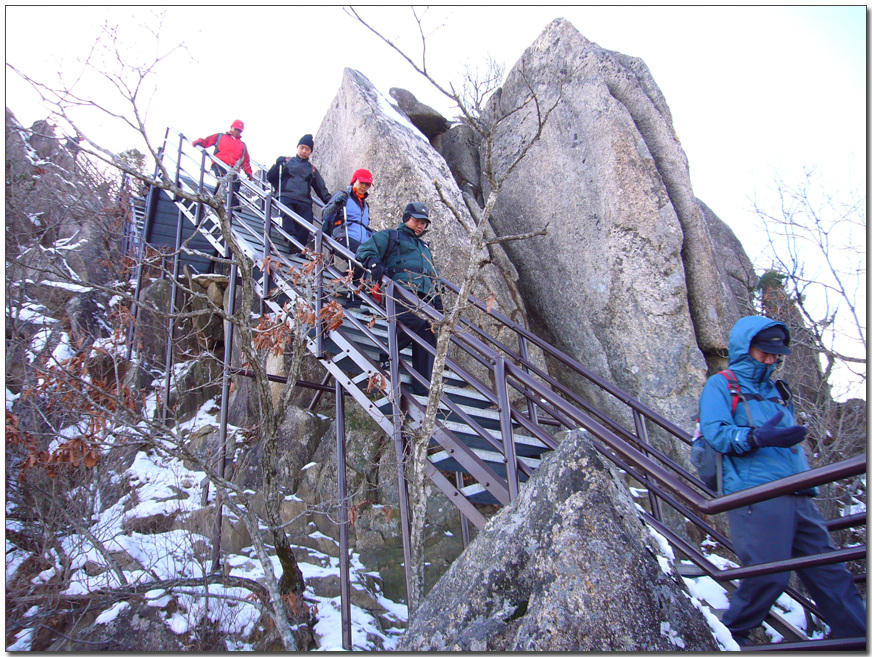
(816, 245)
(470, 100)
(119, 415)
(816, 284)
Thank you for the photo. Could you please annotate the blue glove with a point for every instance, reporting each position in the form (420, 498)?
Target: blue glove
(768, 435)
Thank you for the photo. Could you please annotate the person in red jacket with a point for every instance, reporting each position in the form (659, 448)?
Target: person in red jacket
(229, 149)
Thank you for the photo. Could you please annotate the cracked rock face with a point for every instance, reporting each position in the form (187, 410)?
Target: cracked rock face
(628, 280)
(569, 566)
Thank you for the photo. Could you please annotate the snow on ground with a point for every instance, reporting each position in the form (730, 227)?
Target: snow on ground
(164, 488)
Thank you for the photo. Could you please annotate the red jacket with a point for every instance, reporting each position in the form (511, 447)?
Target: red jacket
(229, 149)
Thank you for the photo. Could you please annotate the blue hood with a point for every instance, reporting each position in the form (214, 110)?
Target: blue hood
(741, 361)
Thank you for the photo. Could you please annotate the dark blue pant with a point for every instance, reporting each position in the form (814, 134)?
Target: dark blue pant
(784, 528)
(290, 225)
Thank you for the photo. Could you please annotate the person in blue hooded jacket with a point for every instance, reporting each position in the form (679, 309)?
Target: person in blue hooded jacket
(756, 450)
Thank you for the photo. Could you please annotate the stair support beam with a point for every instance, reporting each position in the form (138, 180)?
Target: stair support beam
(344, 568)
(505, 410)
(399, 444)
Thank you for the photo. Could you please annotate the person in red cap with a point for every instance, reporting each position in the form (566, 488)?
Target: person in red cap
(229, 150)
(346, 218)
(293, 179)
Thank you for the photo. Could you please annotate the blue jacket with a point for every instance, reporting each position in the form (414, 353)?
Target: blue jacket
(349, 216)
(727, 432)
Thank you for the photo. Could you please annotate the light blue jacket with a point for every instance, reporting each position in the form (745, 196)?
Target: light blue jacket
(356, 225)
(727, 432)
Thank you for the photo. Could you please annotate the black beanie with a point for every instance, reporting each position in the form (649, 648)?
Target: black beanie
(308, 141)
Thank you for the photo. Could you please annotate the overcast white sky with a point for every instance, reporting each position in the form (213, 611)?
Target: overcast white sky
(753, 91)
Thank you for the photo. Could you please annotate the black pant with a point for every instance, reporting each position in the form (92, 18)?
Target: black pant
(290, 225)
(422, 360)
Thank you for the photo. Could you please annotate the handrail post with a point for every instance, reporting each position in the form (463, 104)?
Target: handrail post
(177, 180)
(201, 186)
(267, 230)
(344, 582)
(399, 446)
(319, 296)
(147, 221)
(506, 428)
(531, 407)
(642, 432)
(464, 522)
(171, 325)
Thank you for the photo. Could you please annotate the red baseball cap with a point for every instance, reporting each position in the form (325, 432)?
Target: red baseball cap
(363, 175)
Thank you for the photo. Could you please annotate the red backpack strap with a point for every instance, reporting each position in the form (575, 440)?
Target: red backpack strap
(735, 390)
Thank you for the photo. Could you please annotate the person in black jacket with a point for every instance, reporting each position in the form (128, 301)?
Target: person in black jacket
(293, 179)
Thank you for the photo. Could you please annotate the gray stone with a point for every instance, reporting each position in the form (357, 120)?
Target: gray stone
(609, 283)
(569, 566)
(196, 382)
(301, 432)
(425, 118)
(459, 145)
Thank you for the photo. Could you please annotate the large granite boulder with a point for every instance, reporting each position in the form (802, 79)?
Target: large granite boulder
(628, 280)
(569, 566)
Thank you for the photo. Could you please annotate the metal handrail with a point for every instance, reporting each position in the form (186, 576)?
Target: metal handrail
(628, 448)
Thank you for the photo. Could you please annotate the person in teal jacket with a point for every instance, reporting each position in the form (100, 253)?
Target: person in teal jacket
(407, 259)
(760, 443)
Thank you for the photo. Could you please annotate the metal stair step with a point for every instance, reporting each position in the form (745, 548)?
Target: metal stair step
(478, 494)
(445, 461)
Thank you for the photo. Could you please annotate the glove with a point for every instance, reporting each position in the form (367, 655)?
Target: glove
(437, 303)
(198, 142)
(376, 269)
(768, 435)
(280, 160)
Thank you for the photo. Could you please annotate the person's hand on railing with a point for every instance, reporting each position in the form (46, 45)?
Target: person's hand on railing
(768, 435)
(375, 268)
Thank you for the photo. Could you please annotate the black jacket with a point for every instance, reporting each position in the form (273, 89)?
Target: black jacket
(298, 178)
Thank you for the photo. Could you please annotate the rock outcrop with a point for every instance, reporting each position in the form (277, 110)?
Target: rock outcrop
(569, 566)
(425, 118)
(628, 280)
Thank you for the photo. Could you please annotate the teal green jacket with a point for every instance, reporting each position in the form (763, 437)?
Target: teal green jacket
(409, 263)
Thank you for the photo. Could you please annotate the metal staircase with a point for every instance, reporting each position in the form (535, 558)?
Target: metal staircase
(484, 447)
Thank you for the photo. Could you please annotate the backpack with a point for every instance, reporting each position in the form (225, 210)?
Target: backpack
(705, 458)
